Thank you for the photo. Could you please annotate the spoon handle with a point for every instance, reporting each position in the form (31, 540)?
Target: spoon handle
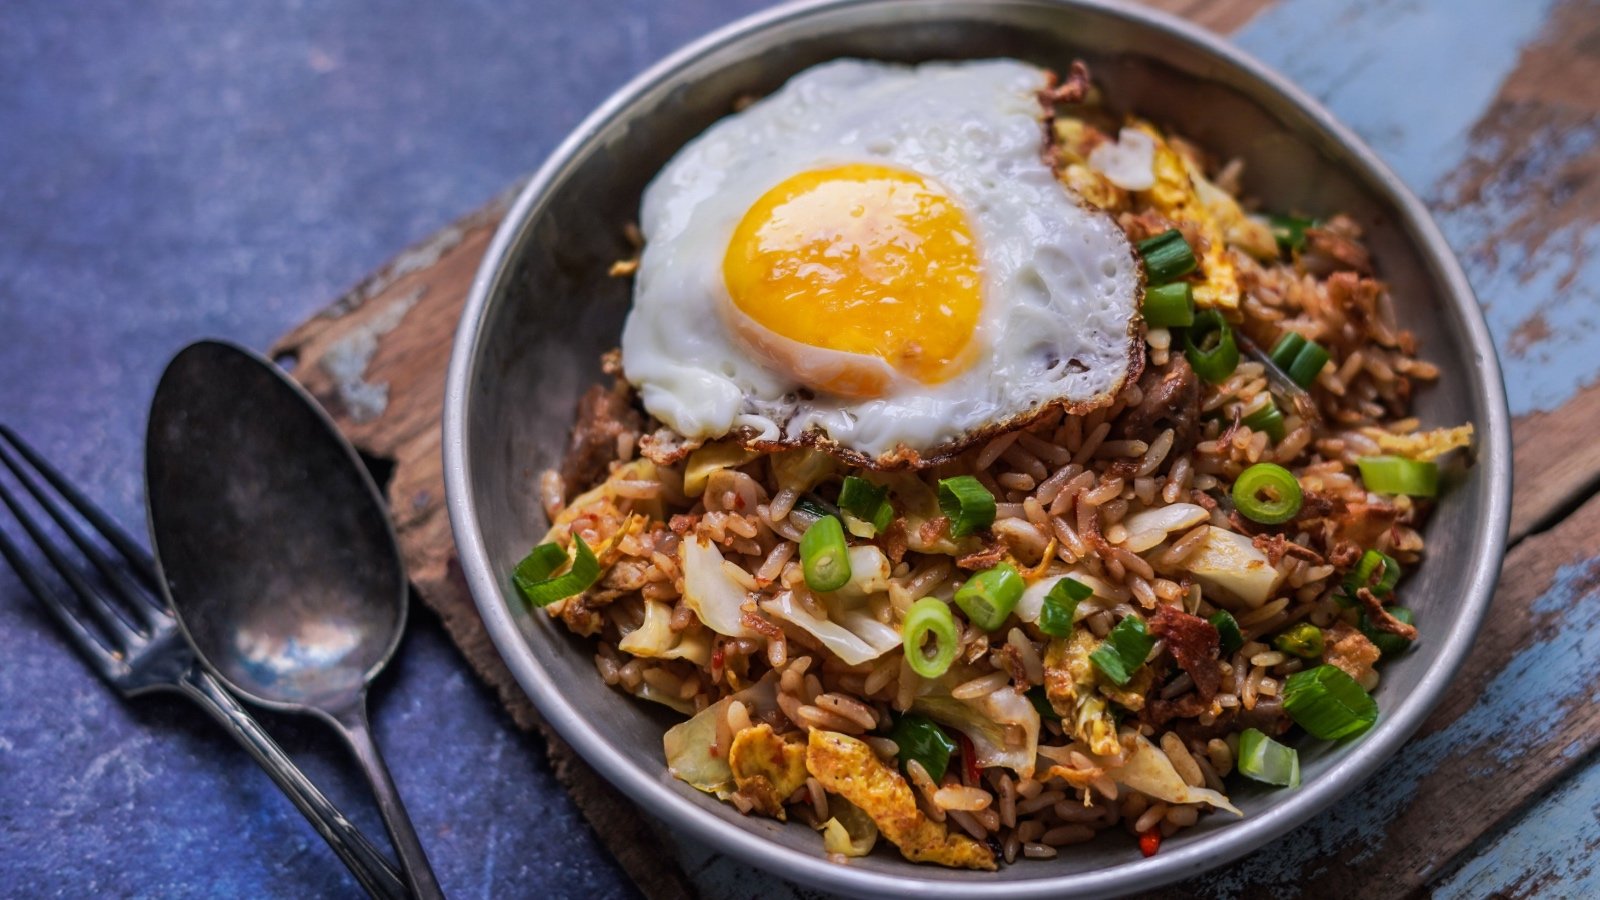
(366, 863)
(353, 724)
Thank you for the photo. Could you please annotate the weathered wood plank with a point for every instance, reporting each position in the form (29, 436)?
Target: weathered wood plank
(1554, 851)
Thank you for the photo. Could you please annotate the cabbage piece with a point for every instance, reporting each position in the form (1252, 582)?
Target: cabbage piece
(1129, 162)
(1231, 566)
(716, 598)
(984, 719)
(802, 469)
(1148, 528)
(869, 575)
(656, 639)
(647, 692)
(711, 458)
(850, 832)
(1032, 601)
(1149, 771)
(688, 744)
(851, 634)
(634, 470)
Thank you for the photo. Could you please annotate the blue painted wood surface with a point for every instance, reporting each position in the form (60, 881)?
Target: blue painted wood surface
(173, 169)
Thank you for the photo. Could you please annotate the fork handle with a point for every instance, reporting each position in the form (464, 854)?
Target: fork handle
(366, 863)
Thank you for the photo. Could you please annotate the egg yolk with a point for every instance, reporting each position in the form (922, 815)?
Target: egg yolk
(860, 259)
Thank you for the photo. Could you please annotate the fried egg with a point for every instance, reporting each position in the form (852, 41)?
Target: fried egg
(877, 259)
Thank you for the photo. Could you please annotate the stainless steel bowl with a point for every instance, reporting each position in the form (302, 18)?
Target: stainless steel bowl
(542, 310)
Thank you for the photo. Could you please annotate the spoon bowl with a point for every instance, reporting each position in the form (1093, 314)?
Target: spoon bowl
(277, 552)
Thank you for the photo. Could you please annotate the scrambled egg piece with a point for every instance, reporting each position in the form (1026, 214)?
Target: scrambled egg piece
(1074, 141)
(1069, 685)
(766, 768)
(848, 767)
(1176, 196)
(1423, 445)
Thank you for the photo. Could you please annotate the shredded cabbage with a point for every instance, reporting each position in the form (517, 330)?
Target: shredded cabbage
(656, 639)
(1230, 565)
(688, 745)
(716, 598)
(700, 465)
(850, 831)
(1149, 771)
(984, 721)
(849, 633)
(1031, 604)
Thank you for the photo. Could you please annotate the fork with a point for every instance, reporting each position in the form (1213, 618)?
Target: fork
(130, 638)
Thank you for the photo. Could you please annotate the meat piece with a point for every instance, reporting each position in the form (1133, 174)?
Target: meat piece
(849, 768)
(1350, 650)
(1171, 400)
(766, 768)
(1073, 88)
(986, 558)
(604, 414)
(1267, 716)
(1364, 523)
(1382, 619)
(1194, 643)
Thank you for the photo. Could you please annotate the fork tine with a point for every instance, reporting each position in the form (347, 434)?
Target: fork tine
(136, 554)
(90, 646)
(113, 625)
(144, 599)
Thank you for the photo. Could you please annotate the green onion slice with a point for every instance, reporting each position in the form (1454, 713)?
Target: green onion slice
(808, 510)
(1303, 640)
(967, 503)
(824, 557)
(1169, 305)
(1290, 231)
(533, 576)
(1124, 650)
(1166, 256)
(1228, 630)
(867, 503)
(1268, 761)
(1299, 358)
(1267, 493)
(1388, 644)
(1210, 347)
(920, 739)
(1373, 563)
(989, 596)
(1398, 475)
(1268, 419)
(1328, 703)
(930, 618)
(1041, 703)
(1061, 605)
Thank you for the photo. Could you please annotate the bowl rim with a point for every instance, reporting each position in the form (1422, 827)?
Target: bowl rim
(1225, 844)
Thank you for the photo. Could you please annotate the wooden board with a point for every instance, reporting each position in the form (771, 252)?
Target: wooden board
(1498, 128)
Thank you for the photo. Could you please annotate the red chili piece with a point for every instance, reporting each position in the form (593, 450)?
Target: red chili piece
(969, 758)
(1150, 841)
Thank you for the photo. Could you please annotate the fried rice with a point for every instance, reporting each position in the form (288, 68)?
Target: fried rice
(698, 598)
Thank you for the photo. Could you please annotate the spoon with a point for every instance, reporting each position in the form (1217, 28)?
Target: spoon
(278, 553)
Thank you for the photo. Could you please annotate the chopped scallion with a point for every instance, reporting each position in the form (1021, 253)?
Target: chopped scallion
(989, 596)
(1399, 475)
(1290, 232)
(1124, 650)
(1267, 493)
(1374, 564)
(918, 738)
(1061, 606)
(1328, 703)
(867, 504)
(1227, 630)
(533, 576)
(1268, 761)
(1210, 347)
(1169, 305)
(929, 618)
(807, 510)
(824, 556)
(967, 503)
(1303, 640)
(1268, 419)
(1041, 703)
(1166, 256)
(1390, 645)
(1299, 358)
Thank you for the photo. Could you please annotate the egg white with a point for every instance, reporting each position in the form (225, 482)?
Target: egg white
(1061, 283)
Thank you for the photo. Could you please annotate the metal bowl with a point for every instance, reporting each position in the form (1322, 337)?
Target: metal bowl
(542, 310)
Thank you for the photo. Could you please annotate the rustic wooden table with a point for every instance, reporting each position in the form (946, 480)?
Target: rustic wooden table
(1489, 110)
